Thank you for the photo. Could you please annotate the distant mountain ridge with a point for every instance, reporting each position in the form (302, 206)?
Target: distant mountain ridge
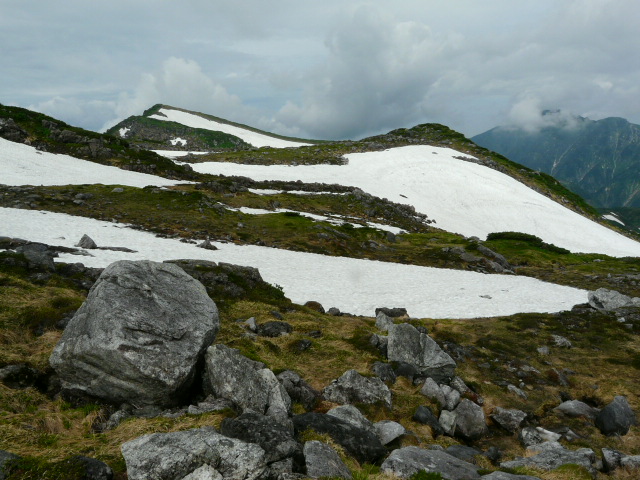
(599, 160)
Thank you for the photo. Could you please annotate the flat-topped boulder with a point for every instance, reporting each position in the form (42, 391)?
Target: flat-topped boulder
(138, 336)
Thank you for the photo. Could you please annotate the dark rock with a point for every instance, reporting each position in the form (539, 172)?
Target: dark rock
(299, 390)
(207, 245)
(86, 242)
(245, 382)
(463, 452)
(275, 438)
(470, 420)
(38, 256)
(363, 445)
(92, 469)
(407, 461)
(611, 459)
(4, 458)
(508, 418)
(616, 418)
(334, 312)
(353, 416)
(323, 461)
(425, 416)
(301, 345)
(138, 337)
(352, 387)
(314, 306)
(19, 375)
(407, 370)
(384, 372)
(507, 476)
(274, 329)
(170, 456)
(276, 314)
(10, 130)
(493, 454)
(392, 312)
(408, 345)
(380, 342)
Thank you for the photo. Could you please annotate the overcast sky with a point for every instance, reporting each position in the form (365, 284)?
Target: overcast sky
(324, 69)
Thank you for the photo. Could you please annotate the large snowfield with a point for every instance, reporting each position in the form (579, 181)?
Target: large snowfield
(195, 121)
(461, 196)
(24, 165)
(352, 285)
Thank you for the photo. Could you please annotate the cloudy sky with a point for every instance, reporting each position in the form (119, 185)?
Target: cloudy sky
(324, 69)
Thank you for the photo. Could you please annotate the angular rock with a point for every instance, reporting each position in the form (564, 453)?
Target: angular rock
(38, 255)
(407, 461)
(205, 472)
(447, 422)
(470, 420)
(169, 456)
(86, 242)
(576, 408)
(462, 452)
(507, 476)
(380, 342)
(298, 390)
(245, 382)
(553, 455)
(383, 322)
(363, 445)
(323, 461)
(138, 336)
(432, 390)
(529, 436)
(616, 418)
(458, 384)
(508, 418)
(407, 344)
(353, 416)
(207, 245)
(451, 397)
(384, 371)
(275, 438)
(606, 300)
(611, 459)
(274, 329)
(631, 462)
(392, 312)
(352, 387)
(388, 431)
(425, 416)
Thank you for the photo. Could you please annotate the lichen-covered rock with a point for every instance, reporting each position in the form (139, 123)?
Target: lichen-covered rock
(616, 418)
(407, 344)
(508, 418)
(352, 415)
(607, 300)
(245, 382)
(551, 455)
(170, 456)
(388, 431)
(576, 408)
(138, 336)
(323, 461)
(298, 390)
(470, 420)
(407, 461)
(352, 387)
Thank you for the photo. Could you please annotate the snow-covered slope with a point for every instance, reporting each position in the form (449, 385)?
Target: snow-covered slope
(195, 121)
(461, 196)
(352, 285)
(24, 165)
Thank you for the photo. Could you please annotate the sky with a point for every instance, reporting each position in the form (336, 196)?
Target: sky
(333, 69)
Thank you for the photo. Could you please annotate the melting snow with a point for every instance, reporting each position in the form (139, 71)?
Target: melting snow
(178, 140)
(176, 153)
(195, 121)
(460, 196)
(352, 285)
(124, 131)
(24, 165)
(611, 216)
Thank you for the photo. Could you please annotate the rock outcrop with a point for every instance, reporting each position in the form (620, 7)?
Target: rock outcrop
(138, 337)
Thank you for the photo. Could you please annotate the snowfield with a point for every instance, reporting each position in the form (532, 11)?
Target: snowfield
(195, 121)
(461, 196)
(24, 165)
(352, 285)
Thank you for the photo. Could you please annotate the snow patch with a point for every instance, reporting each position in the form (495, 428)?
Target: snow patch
(178, 140)
(352, 285)
(462, 197)
(612, 217)
(123, 131)
(195, 121)
(24, 165)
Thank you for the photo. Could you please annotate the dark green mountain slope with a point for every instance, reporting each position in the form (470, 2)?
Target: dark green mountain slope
(599, 160)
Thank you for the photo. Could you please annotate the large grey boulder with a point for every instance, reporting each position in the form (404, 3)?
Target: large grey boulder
(352, 415)
(245, 382)
(551, 455)
(471, 423)
(171, 456)
(606, 300)
(407, 344)
(323, 461)
(388, 431)
(352, 387)
(138, 336)
(616, 418)
(407, 461)
(298, 390)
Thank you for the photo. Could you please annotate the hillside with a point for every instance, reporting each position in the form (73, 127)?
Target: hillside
(599, 160)
(300, 248)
